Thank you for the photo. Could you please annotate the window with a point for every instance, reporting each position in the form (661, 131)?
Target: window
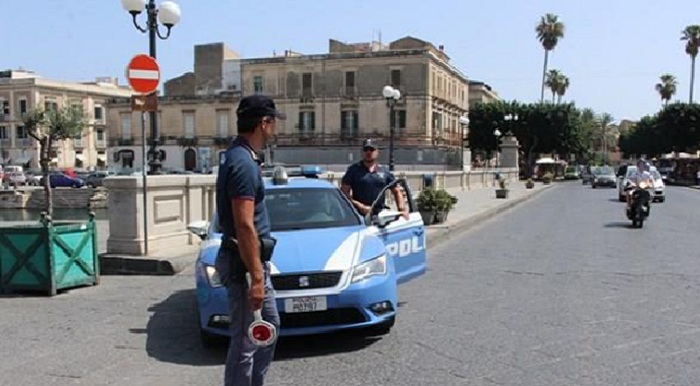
(4, 133)
(222, 124)
(188, 119)
(258, 84)
(78, 140)
(306, 84)
(50, 104)
(350, 83)
(99, 113)
(307, 121)
(22, 133)
(5, 108)
(294, 209)
(126, 126)
(348, 123)
(398, 120)
(22, 106)
(396, 78)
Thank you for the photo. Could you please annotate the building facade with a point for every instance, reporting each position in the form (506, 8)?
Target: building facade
(22, 91)
(192, 131)
(480, 92)
(333, 101)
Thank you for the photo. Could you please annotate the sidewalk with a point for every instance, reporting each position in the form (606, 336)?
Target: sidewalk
(477, 205)
(473, 207)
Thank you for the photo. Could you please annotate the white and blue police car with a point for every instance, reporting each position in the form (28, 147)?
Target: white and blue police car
(333, 269)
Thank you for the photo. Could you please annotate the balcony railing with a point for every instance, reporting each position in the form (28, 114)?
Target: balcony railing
(339, 139)
(100, 143)
(5, 142)
(24, 142)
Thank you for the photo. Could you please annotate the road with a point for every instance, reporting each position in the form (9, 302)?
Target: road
(558, 291)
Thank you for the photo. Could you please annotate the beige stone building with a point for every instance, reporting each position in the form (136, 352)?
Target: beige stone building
(333, 101)
(21, 91)
(480, 92)
(192, 130)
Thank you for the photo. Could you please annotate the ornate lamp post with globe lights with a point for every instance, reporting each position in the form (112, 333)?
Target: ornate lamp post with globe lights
(168, 14)
(392, 96)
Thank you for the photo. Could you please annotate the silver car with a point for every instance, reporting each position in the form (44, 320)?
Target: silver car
(659, 192)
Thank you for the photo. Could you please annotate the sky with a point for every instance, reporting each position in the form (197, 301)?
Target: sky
(613, 51)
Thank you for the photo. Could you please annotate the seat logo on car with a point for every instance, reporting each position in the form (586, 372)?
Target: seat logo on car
(405, 247)
(303, 281)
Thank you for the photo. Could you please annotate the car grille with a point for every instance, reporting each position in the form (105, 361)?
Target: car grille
(306, 281)
(322, 318)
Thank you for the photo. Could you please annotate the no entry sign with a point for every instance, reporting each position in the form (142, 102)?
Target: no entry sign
(143, 74)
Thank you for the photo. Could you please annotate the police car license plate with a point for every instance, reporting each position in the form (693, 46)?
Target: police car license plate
(306, 304)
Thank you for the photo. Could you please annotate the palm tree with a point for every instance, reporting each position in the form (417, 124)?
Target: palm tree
(667, 87)
(691, 34)
(562, 87)
(604, 121)
(552, 81)
(549, 31)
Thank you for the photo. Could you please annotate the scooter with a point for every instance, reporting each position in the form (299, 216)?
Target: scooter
(641, 205)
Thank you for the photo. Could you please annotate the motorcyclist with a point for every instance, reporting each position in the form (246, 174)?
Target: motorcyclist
(637, 179)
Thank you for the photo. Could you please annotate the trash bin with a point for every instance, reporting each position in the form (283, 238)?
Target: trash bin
(427, 181)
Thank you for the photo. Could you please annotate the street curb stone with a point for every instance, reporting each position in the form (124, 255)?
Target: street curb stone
(443, 234)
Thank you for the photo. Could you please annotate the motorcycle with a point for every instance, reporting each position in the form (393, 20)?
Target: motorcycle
(640, 206)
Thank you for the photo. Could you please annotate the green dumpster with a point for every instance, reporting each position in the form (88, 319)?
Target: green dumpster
(48, 256)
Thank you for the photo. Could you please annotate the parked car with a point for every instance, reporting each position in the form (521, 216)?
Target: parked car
(604, 176)
(572, 173)
(17, 179)
(63, 181)
(332, 269)
(95, 179)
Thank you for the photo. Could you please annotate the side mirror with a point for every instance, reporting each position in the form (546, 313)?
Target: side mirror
(386, 217)
(199, 228)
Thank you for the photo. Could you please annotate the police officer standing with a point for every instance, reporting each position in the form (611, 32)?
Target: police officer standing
(246, 244)
(364, 180)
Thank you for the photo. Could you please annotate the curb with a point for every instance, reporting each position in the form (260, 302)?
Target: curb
(443, 234)
(142, 265)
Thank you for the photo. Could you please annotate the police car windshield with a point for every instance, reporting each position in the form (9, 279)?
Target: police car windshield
(308, 208)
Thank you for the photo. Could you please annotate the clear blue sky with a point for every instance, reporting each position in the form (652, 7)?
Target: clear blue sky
(613, 51)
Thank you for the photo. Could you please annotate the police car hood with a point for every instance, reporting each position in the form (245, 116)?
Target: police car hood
(328, 249)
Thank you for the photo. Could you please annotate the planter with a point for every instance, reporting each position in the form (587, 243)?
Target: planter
(501, 193)
(48, 256)
(546, 182)
(428, 216)
(529, 185)
(441, 216)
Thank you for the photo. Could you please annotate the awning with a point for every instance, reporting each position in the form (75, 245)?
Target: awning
(102, 157)
(21, 160)
(80, 156)
(546, 160)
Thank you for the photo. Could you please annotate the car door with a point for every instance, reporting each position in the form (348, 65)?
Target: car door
(405, 240)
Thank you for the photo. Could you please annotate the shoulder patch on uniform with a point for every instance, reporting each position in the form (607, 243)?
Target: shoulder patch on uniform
(222, 159)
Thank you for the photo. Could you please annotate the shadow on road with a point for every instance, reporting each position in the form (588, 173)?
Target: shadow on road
(173, 336)
(619, 225)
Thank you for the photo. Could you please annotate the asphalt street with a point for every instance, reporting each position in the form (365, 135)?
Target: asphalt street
(557, 291)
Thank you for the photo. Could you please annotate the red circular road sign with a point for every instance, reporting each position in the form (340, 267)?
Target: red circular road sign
(143, 74)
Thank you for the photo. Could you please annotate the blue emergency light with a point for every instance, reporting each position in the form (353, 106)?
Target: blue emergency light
(280, 173)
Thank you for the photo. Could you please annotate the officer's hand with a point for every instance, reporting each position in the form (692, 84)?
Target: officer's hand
(256, 294)
(364, 209)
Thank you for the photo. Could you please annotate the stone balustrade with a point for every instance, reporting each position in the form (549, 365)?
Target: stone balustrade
(173, 201)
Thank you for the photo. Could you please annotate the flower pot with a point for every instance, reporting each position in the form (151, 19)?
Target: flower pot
(428, 216)
(529, 185)
(48, 256)
(501, 193)
(441, 216)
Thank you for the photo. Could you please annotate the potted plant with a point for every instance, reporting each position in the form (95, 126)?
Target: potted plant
(445, 203)
(529, 184)
(49, 256)
(547, 178)
(502, 191)
(427, 205)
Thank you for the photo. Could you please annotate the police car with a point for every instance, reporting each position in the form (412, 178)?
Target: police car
(333, 269)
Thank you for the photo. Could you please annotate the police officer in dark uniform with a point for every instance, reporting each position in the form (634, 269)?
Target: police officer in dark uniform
(246, 243)
(364, 180)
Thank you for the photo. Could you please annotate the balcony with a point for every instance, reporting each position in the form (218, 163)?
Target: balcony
(4, 117)
(78, 143)
(339, 139)
(100, 144)
(24, 142)
(187, 142)
(5, 142)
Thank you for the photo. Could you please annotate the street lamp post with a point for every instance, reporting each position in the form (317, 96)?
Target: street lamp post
(391, 95)
(168, 14)
(497, 134)
(463, 124)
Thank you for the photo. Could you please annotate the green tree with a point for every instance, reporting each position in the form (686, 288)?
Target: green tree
(47, 127)
(549, 31)
(691, 36)
(667, 87)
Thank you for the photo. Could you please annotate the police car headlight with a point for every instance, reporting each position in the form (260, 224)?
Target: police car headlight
(212, 276)
(374, 267)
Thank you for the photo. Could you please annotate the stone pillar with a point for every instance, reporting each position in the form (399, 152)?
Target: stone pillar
(509, 153)
(173, 201)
